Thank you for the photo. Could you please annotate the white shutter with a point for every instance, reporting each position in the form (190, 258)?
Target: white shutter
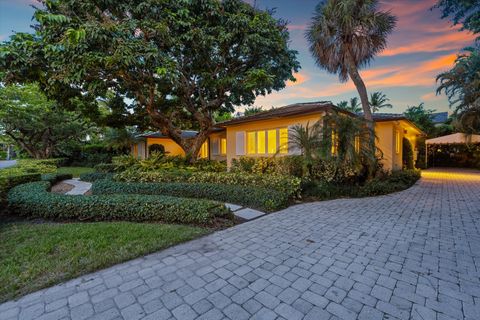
(215, 147)
(240, 143)
(293, 149)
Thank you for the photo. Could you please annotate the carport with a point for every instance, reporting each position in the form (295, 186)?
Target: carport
(454, 144)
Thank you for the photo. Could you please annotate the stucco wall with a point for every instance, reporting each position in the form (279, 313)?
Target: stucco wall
(264, 125)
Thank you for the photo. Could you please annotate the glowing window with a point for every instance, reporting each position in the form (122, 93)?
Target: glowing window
(397, 141)
(251, 143)
(261, 147)
(357, 144)
(283, 140)
(272, 141)
(223, 146)
(334, 142)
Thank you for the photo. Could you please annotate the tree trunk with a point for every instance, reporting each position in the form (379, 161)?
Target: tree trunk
(367, 112)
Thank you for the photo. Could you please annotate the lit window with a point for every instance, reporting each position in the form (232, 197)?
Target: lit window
(334, 142)
(251, 145)
(261, 147)
(357, 144)
(397, 141)
(283, 140)
(223, 146)
(272, 141)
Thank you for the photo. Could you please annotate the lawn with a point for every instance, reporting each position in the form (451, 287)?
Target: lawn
(38, 255)
(75, 171)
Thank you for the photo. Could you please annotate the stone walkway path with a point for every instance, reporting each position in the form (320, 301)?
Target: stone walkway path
(409, 255)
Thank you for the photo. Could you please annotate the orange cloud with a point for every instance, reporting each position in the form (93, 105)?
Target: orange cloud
(297, 27)
(301, 78)
(450, 41)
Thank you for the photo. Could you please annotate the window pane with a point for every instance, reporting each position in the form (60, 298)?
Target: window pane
(251, 148)
(357, 144)
(397, 141)
(272, 141)
(223, 146)
(334, 141)
(261, 148)
(283, 141)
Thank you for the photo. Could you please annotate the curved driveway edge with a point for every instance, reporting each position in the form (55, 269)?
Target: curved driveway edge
(409, 255)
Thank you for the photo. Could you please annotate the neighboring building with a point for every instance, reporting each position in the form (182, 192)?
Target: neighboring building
(267, 133)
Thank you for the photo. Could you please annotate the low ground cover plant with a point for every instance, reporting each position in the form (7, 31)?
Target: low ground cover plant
(34, 200)
(383, 184)
(258, 198)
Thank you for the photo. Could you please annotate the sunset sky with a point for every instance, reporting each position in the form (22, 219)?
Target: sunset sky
(421, 47)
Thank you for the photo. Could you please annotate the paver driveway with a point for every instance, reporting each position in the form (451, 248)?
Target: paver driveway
(410, 255)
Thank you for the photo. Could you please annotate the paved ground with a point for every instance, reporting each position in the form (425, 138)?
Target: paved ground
(79, 187)
(410, 255)
(7, 163)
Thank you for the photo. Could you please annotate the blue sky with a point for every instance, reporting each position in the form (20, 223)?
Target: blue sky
(421, 46)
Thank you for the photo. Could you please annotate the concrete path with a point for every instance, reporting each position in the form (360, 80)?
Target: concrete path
(244, 213)
(7, 163)
(80, 187)
(409, 255)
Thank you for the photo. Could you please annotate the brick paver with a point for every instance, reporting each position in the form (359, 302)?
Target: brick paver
(409, 255)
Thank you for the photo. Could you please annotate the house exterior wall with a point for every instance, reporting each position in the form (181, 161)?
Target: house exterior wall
(215, 146)
(235, 131)
(171, 147)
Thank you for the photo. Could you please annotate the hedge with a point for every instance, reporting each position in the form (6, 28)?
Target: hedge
(35, 200)
(285, 184)
(56, 177)
(258, 198)
(8, 182)
(94, 176)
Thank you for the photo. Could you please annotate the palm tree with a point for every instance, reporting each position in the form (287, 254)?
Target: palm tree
(354, 105)
(252, 110)
(379, 100)
(308, 139)
(345, 35)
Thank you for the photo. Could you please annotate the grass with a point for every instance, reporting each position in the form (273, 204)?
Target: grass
(38, 255)
(75, 171)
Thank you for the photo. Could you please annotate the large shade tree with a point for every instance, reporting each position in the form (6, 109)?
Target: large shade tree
(37, 125)
(171, 62)
(345, 35)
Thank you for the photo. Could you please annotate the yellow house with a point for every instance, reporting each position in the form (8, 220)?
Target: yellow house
(267, 133)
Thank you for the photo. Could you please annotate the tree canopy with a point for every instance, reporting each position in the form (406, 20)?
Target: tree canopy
(379, 100)
(422, 117)
(168, 62)
(464, 12)
(35, 123)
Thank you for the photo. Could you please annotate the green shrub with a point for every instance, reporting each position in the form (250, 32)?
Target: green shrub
(286, 165)
(290, 186)
(94, 176)
(3, 155)
(8, 182)
(105, 167)
(262, 199)
(56, 177)
(29, 166)
(35, 200)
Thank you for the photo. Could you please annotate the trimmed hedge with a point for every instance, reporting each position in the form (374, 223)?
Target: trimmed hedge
(105, 167)
(259, 198)
(56, 177)
(288, 185)
(8, 182)
(35, 200)
(94, 176)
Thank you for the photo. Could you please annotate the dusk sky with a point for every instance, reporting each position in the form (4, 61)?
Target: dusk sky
(421, 47)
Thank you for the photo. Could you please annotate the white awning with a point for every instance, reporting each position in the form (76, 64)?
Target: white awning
(456, 138)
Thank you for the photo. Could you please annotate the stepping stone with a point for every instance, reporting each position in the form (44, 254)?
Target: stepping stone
(248, 214)
(232, 206)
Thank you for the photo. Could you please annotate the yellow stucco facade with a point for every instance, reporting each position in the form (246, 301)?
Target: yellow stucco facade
(269, 137)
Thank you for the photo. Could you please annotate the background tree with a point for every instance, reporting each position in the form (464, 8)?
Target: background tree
(252, 110)
(178, 61)
(379, 100)
(352, 106)
(421, 117)
(464, 12)
(120, 139)
(35, 123)
(345, 35)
